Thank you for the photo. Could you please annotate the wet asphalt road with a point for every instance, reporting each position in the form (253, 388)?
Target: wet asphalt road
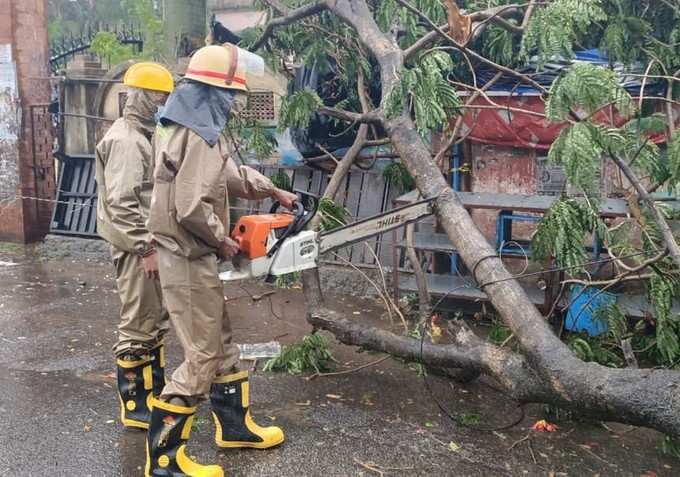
(58, 409)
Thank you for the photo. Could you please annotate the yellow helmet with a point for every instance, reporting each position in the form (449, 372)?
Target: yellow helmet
(220, 66)
(150, 76)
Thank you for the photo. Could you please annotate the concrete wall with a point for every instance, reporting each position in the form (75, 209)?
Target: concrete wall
(26, 166)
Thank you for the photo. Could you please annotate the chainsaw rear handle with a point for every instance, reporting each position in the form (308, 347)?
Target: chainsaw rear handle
(302, 216)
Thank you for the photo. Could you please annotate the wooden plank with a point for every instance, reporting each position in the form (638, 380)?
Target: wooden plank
(341, 199)
(385, 250)
(352, 203)
(301, 179)
(528, 203)
(456, 287)
(433, 242)
(371, 204)
(317, 183)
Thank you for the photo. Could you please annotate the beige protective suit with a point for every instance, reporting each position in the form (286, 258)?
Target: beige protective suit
(189, 219)
(124, 175)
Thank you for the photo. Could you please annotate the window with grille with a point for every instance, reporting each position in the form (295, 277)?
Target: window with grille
(260, 107)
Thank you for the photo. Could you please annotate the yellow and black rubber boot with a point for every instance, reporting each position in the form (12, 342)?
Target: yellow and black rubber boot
(166, 454)
(234, 426)
(158, 369)
(135, 383)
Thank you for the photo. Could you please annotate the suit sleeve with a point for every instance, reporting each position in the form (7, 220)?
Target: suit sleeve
(198, 190)
(124, 173)
(247, 183)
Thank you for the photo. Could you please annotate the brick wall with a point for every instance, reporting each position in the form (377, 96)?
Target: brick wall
(26, 166)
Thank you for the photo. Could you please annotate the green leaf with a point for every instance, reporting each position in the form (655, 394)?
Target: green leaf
(555, 28)
(296, 109)
(589, 88)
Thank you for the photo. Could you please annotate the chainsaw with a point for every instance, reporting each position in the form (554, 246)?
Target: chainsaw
(276, 244)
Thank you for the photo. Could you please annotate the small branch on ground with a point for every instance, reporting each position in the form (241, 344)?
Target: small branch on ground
(348, 371)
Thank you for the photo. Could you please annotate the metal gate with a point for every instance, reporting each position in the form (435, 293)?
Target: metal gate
(76, 209)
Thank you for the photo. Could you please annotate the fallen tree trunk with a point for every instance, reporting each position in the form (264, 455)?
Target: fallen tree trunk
(648, 398)
(546, 370)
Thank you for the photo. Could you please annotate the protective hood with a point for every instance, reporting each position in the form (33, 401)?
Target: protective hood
(140, 109)
(203, 109)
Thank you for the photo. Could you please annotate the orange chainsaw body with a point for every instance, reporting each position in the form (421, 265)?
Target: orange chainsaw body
(252, 231)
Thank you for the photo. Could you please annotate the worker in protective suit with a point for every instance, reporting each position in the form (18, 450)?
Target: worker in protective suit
(124, 171)
(189, 221)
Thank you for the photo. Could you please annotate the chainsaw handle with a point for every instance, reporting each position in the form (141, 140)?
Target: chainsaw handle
(302, 217)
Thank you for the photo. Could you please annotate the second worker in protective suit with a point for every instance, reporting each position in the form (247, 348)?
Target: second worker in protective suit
(189, 220)
(124, 171)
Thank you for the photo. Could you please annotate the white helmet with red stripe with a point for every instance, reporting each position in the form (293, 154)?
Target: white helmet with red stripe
(224, 66)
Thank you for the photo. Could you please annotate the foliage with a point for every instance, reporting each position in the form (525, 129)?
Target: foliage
(562, 233)
(500, 46)
(424, 86)
(151, 25)
(581, 148)
(614, 319)
(256, 138)
(556, 27)
(671, 446)
(662, 289)
(332, 215)
(311, 354)
(282, 181)
(297, 108)
(499, 331)
(289, 280)
(389, 13)
(74, 17)
(593, 349)
(588, 87)
(397, 175)
(107, 47)
(68, 18)
(674, 161)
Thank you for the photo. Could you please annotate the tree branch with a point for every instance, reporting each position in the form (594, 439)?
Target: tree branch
(478, 17)
(459, 120)
(292, 17)
(372, 117)
(464, 49)
(666, 233)
(278, 6)
(654, 392)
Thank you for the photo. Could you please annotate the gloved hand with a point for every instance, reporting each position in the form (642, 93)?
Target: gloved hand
(228, 249)
(287, 199)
